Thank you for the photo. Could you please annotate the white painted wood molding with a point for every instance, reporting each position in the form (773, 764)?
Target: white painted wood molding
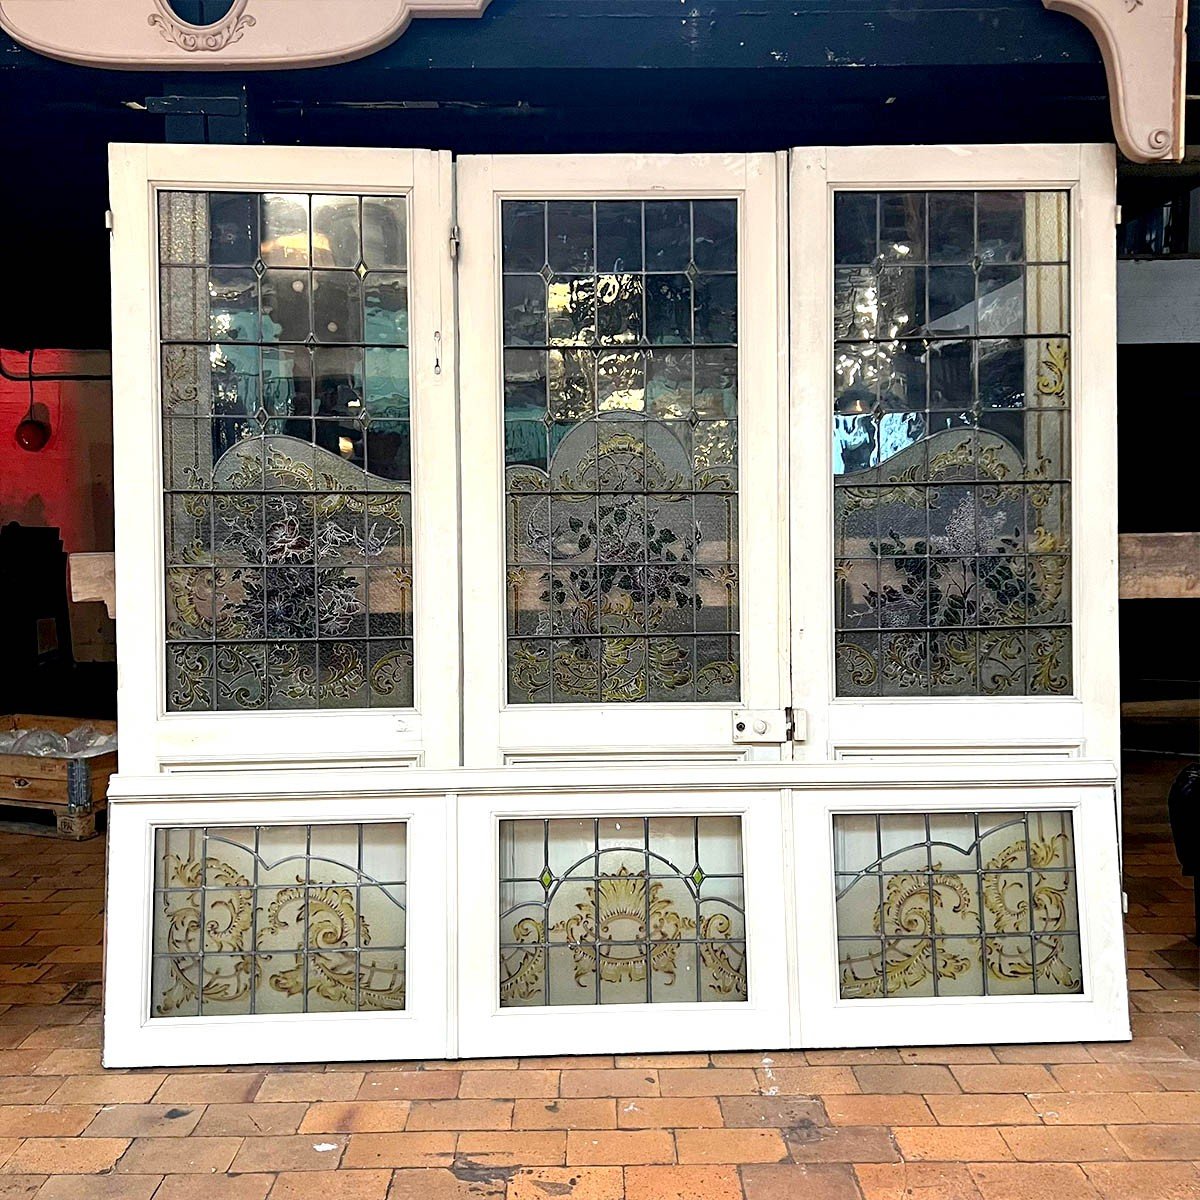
(1142, 44)
(148, 35)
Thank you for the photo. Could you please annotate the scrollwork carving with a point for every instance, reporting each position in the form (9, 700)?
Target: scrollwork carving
(1142, 44)
(146, 35)
(212, 38)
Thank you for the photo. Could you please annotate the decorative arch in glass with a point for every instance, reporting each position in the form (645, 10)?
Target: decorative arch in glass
(620, 449)
(286, 446)
(951, 443)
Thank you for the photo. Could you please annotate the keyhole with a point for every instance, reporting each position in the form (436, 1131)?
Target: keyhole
(200, 12)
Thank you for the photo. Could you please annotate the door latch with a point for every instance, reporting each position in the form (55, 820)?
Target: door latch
(768, 725)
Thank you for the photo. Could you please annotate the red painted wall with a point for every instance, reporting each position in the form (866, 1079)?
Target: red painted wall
(67, 485)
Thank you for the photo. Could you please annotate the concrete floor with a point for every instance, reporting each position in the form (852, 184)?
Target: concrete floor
(1118, 1122)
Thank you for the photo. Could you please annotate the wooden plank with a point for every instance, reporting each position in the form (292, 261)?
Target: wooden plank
(587, 35)
(29, 789)
(63, 725)
(1158, 301)
(93, 577)
(1160, 566)
(31, 766)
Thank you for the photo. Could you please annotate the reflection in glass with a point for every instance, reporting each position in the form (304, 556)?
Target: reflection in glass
(287, 450)
(951, 443)
(620, 432)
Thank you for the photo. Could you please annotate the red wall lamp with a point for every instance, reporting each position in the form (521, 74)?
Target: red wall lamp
(33, 431)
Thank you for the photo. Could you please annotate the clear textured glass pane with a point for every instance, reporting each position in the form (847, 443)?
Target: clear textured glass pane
(951, 227)
(628, 910)
(249, 283)
(285, 230)
(668, 235)
(1000, 226)
(570, 236)
(613, 407)
(855, 224)
(286, 305)
(618, 235)
(336, 236)
(385, 308)
(948, 908)
(337, 306)
(385, 233)
(902, 226)
(233, 228)
(951, 449)
(714, 235)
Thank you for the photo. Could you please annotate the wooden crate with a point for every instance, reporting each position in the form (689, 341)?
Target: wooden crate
(74, 789)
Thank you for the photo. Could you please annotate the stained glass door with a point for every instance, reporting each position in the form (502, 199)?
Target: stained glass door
(622, 502)
(284, 381)
(953, 532)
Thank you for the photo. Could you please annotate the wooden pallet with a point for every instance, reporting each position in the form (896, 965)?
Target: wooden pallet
(74, 789)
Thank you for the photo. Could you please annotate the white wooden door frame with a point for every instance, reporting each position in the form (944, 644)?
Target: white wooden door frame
(1099, 1012)
(761, 1020)
(496, 732)
(133, 1037)
(152, 738)
(1085, 724)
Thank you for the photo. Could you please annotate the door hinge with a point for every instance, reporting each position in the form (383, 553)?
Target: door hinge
(108, 220)
(455, 241)
(797, 724)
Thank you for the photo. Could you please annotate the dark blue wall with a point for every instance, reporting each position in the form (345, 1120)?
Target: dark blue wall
(553, 75)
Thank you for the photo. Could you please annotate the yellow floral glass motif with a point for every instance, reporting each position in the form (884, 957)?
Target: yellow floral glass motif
(956, 904)
(620, 449)
(621, 910)
(951, 444)
(276, 919)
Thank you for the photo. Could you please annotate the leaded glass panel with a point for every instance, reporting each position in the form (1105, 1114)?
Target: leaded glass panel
(956, 904)
(622, 910)
(286, 435)
(620, 443)
(279, 919)
(951, 446)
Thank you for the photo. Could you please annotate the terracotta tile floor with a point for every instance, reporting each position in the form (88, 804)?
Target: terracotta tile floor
(1118, 1122)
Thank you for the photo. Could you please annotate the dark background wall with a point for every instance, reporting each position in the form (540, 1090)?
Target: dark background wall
(546, 75)
(615, 75)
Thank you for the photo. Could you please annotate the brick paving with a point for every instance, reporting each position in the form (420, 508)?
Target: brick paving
(1101, 1122)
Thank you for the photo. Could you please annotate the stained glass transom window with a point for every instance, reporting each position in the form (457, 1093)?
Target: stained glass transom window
(620, 447)
(956, 904)
(622, 910)
(951, 444)
(286, 451)
(279, 919)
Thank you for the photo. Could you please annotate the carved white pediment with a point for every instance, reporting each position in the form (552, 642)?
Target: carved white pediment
(142, 35)
(1142, 43)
